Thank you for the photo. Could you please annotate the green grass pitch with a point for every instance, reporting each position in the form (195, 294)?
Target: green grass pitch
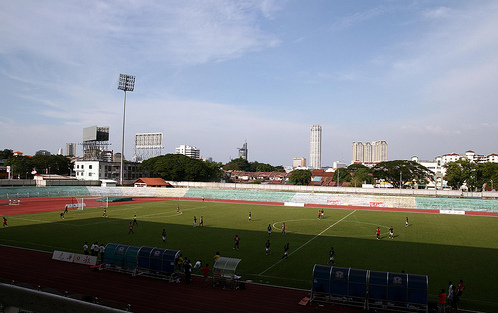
(444, 247)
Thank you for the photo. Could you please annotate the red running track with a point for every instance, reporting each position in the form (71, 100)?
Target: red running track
(149, 295)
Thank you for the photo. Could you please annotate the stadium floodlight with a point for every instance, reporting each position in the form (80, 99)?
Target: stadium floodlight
(126, 83)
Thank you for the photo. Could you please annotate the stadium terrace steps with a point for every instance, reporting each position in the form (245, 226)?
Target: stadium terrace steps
(330, 198)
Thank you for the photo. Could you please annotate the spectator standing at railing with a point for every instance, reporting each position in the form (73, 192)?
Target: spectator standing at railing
(85, 248)
(102, 251)
(188, 270)
(216, 256)
(96, 249)
(441, 302)
(205, 272)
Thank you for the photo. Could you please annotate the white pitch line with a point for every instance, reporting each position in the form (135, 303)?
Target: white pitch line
(304, 244)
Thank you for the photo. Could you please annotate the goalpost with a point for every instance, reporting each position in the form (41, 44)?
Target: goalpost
(90, 202)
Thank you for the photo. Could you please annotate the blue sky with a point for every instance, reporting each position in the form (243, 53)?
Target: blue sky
(422, 75)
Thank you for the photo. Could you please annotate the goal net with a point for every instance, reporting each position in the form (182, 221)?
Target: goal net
(90, 202)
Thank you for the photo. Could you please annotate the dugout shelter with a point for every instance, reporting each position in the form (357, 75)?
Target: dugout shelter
(145, 261)
(224, 275)
(121, 258)
(370, 289)
(158, 262)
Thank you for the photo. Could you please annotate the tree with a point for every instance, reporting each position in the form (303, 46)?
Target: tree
(489, 174)
(402, 171)
(362, 175)
(51, 164)
(21, 166)
(238, 164)
(343, 174)
(474, 175)
(454, 175)
(300, 177)
(178, 167)
(241, 164)
(6, 154)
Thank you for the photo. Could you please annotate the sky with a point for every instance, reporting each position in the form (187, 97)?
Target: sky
(421, 75)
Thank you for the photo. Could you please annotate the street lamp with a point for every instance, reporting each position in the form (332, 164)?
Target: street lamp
(126, 83)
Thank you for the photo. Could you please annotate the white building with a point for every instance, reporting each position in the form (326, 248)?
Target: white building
(298, 162)
(436, 166)
(471, 156)
(99, 170)
(87, 170)
(189, 151)
(374, 152)
(316, 147)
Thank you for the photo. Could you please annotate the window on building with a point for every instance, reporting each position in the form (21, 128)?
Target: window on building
(90, 166)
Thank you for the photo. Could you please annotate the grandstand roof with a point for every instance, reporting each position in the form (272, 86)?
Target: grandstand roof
(152, 182)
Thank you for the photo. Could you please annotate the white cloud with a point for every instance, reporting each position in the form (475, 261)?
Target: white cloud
(358, 18)
(435, 13)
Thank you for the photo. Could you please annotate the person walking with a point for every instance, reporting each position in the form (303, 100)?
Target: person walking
(135, 220)
(268, 251)
(269, 230)
(331, 256)
(286, 251)
(5, 222)
(130, 231)
(283, 228)
(195, 221)
(163, 235)
(377, 232)
(236, 242)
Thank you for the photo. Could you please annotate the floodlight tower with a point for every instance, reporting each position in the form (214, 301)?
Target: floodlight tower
(126, 83)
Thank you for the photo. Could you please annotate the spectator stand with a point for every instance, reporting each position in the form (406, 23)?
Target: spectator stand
(370, 289)
(224, 275)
